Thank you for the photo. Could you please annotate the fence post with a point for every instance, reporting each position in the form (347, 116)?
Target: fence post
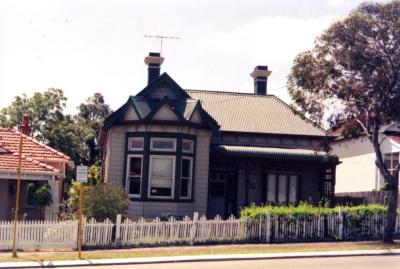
(118, 230)
(341, 223)
(193, 229)
(268, 228)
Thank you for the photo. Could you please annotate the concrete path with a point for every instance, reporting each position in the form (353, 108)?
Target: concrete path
(199, 258)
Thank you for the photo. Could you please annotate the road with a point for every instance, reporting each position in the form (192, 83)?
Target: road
(364, 262)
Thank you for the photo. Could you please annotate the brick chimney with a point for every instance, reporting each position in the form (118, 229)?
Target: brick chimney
(260, 75)
(25, 127)
(154, 61)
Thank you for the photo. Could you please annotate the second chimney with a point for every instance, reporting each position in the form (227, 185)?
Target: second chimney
(25, 128)
(260, 75)
(154, 61)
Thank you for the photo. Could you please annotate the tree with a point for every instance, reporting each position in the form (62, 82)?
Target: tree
(355, 67)
(45, 109)
(93, 113)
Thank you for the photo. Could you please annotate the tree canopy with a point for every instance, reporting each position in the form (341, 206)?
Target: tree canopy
(74, 135)
(351, 77)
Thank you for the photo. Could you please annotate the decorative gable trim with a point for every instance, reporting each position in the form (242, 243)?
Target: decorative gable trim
(120, 114)
(164, 102)
(164, 79)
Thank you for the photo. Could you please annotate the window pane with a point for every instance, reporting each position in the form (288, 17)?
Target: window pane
(187, 146)
(161, 175)
(184, 187)
(163, 144)
(271, 188)
(162, 167)
(282, 188)
(134, 185)
(186, 167)
(135, 166)
(136, 143)
(293, 181)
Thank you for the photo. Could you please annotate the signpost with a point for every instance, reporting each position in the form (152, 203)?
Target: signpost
(81, 177)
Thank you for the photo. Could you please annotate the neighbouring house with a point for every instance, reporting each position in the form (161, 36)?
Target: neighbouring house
(357, 176)
(178, 151)
(40, 164)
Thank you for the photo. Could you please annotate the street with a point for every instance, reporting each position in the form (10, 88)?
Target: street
(364, 262)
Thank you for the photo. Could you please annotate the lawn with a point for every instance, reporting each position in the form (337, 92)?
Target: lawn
(194, 250)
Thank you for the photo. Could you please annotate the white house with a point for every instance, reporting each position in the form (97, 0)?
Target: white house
(357, 172)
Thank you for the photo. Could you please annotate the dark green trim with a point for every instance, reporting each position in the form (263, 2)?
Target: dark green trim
(146, 152)
(163, 102)
(163, 79)
(119, 113)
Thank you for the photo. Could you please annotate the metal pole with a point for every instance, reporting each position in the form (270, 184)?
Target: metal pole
(14, 253)
(80, 230)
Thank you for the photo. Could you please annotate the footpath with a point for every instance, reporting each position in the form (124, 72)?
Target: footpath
(34, 259)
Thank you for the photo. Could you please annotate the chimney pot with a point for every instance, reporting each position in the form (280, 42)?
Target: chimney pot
(25, 127)
(153, 61)
(260, 75)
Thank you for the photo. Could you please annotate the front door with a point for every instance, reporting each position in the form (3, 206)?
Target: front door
(222, 194)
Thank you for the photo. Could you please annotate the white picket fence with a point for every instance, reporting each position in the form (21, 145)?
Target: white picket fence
(154, 232)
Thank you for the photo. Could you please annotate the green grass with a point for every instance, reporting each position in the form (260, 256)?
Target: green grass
(195, 250)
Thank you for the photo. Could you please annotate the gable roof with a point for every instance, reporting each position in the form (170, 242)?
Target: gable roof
(250, 113)
(9, 140)
(164, 79)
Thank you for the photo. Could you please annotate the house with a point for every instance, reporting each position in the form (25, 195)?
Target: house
(178, 151)
(357, 175)
(39, 164)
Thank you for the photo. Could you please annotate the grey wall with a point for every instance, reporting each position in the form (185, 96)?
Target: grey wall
(115, 163)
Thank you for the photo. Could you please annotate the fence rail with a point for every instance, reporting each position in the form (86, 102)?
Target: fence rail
(63, 234)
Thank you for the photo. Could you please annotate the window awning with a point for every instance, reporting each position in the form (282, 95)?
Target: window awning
(275, 153)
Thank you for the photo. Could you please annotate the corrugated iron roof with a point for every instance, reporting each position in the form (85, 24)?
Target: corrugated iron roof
(274, 153)
(241, 112)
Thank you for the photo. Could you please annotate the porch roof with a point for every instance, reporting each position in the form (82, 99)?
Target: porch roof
(275, 153)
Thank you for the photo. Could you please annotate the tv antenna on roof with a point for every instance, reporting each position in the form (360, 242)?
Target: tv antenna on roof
(161, 37)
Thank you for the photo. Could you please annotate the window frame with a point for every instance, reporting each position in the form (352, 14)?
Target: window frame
(174, 140)
(190, 178)
(135, 149)
(127, 178)
(173, 178)
(191, 151)
(287, 176)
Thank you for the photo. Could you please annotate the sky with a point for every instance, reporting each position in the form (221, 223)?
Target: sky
(83, 47)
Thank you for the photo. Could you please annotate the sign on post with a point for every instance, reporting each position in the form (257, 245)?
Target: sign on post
(81, 173)
(81, 177)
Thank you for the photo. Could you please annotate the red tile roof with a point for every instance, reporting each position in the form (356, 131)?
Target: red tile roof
(9, 140)
(9, 162)
(35, 155)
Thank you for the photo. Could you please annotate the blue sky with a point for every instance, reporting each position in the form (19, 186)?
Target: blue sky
(97, 45)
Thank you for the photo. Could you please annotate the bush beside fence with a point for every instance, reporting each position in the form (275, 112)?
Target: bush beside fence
(265, 229)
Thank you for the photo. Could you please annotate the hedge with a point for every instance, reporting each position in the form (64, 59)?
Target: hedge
(304, 210)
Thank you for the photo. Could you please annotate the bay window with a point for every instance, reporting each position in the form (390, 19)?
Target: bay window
(160, 166)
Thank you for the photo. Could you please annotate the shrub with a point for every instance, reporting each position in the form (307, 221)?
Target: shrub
(305, 210)
(101, 201)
